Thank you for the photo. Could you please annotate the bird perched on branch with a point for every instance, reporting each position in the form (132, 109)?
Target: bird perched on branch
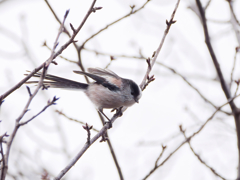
(108, 91)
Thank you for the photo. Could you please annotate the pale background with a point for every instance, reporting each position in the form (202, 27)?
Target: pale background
(51, 141)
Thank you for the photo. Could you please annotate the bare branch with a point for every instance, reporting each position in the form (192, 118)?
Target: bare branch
(192, 86)
(66, 59)
(50, 103)
(82, 151)
(232, 12)
(111, 148)
(75, 31)
(224, 86)
(45, 65)
(2, 161)
(237, 82)
(129, 14)
(115, 55)
(160, 46)
(29, 91)
(207, 5)
(87, 128)
(234, 64)
(75, 120)
(199, 158)
(63, 47)
(190, 137)
(156, 162)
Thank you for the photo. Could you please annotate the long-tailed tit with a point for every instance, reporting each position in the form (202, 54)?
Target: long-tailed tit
(108, 91)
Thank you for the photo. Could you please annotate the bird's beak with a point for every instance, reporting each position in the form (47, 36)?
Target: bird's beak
(136, 100)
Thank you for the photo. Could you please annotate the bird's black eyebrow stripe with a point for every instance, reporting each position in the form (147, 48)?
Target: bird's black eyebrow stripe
(111, 87)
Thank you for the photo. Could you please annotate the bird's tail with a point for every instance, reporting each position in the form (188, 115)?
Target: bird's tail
(58, 82)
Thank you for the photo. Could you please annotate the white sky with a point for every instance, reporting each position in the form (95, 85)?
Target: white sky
(166, 103)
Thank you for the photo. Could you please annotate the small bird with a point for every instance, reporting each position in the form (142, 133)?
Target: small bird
(109, 90)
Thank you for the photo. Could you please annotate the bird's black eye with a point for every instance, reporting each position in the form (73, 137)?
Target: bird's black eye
(132, 93)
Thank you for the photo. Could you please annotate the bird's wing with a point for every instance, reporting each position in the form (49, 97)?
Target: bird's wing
(107, 78)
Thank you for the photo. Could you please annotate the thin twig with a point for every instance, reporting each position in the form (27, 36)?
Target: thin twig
(160, 155)
(45, 66)
(197, 155)
(2, 161)
(218, 21)
(111, 148)
(114, 22)
(50, 103)
(193, 87)
(237, 82)
(212, 53)
(82, 151)
(115, 55)
(207, 5)
(66, 59)
(190, 137)
(63, 47)
(233, 68)
(232, 11)
(88, 128)
(75, 120)
(69, 35)
(169, 23)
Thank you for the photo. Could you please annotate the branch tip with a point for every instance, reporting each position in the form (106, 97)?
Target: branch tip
(96, 8)
(29, 91)
(44, 43)
(73, 29)
(66, 14)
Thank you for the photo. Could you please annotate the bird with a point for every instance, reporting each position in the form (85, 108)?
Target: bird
(108, 91)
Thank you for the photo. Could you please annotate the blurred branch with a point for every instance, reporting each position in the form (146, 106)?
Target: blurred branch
(200, 94)
(115, 55)
(79, 63)
(212, 53)
(197, 155)
(234, 21)
(237, 82)
(207, 5)
(190, 137)
(156, 162)
(31, 96)
(50, 103)
(88, 129)
(108, 125)
(66, 59)
(114, 22)
(218, 21)
(234, 65)
(2, 161)
(61, 49)
(111, 148)
(75, 120)
(82, 151)
(235, 110)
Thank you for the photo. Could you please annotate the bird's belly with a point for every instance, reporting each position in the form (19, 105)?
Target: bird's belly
(105, 98)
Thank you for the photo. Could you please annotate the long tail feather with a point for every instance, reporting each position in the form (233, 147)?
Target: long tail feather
(59, 82)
